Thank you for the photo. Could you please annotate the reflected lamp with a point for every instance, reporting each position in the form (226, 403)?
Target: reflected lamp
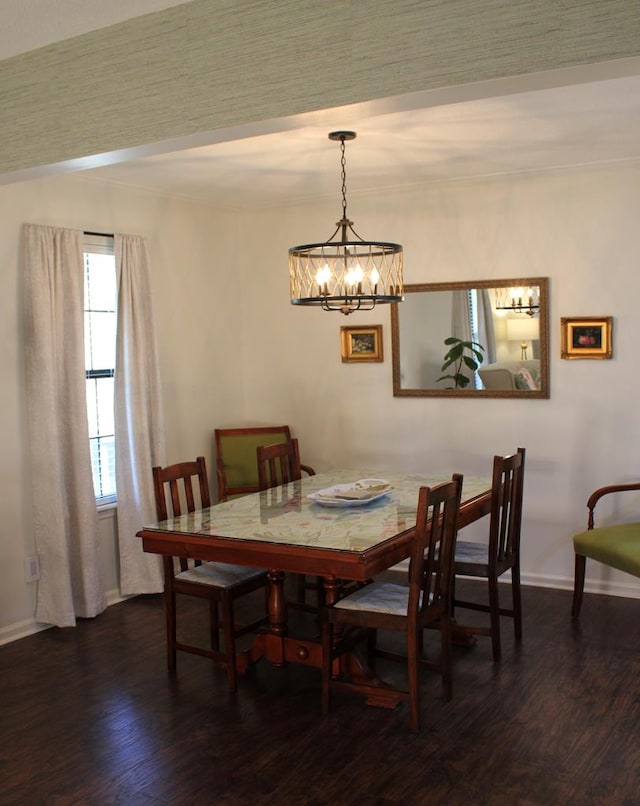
(523, 330)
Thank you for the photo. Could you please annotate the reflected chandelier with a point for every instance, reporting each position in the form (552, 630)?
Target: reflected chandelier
(345, 273)
(520, 300)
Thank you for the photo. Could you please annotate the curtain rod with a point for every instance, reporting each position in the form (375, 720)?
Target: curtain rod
(100, 234)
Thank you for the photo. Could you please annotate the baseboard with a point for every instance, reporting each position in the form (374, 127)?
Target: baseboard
(22, 629)
(628, 589)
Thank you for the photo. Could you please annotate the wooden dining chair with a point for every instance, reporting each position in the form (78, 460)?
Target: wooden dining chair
(184, 487)
(424, 602)
(278, 464)
(235, 449)
(500, 553)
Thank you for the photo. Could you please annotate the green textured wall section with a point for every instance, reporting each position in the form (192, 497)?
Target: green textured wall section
(212, 64)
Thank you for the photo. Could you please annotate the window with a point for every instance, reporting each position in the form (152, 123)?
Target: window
(100, 310)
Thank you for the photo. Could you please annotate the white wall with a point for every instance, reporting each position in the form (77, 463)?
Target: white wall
(196, 297)
(234, 350)
(580, 229)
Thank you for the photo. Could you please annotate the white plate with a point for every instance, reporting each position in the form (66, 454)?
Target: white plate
(356, 494)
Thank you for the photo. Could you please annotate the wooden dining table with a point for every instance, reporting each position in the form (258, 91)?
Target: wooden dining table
(283, 530)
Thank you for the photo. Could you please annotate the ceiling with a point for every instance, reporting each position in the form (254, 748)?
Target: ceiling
(540, 130)
(503, 127)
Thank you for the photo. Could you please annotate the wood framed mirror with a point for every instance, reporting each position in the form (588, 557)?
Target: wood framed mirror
(507, 322)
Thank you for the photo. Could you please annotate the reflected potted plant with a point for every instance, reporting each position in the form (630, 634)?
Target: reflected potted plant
(461, 355)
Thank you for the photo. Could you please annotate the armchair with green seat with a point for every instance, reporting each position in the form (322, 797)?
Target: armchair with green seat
(615, 545)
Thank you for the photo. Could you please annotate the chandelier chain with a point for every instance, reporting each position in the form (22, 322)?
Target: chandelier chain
(343, 164)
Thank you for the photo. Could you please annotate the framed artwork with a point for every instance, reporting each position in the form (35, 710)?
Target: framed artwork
(361, 343)
(587, 337)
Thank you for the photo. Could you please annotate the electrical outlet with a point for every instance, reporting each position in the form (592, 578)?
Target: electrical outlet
(32, 568)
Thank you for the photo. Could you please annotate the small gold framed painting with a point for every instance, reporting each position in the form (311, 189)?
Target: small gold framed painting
(361, 343)
(587, 336)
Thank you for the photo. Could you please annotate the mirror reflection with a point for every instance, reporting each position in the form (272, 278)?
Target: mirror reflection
(484, 338)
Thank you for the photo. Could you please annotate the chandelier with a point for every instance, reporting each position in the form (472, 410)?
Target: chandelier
(345, 273)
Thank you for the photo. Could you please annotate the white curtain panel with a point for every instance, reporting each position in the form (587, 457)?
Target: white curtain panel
(65, 517)
(139, 426)
(461, 315)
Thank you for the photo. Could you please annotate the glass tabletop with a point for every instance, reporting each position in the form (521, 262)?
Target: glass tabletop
(285, 514)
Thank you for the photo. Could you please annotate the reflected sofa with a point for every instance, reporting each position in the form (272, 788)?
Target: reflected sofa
(523, 375)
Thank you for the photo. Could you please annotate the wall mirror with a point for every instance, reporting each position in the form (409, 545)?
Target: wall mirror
(508, 322)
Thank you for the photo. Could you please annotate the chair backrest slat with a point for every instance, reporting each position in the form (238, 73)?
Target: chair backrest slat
(175, 497)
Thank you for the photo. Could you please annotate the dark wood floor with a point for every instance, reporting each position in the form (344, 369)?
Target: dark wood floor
(90, 716)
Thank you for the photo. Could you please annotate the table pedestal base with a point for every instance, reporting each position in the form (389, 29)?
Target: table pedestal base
(351, 671)
(280, 649)
(358, 677)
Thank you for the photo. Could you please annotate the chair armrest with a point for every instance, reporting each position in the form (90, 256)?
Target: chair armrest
(602, 491)
(308, 470)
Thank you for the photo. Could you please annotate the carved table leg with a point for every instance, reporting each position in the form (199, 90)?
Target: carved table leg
(275, 637)
(269, 644)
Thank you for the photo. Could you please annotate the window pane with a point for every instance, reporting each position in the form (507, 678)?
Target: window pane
(105, 406)
(100, 407)
(100, 285)
(100, 340)
(104, 466)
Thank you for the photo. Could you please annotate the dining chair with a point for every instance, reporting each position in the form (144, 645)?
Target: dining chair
(424, 602)
(177, 488)
(500, 553)
(235, 449)
(278, 464)
(616, 544)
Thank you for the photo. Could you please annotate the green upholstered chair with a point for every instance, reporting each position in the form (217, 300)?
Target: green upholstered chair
(236, 464)
(616, 545)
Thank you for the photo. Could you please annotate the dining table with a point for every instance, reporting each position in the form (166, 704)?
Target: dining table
(298, 528)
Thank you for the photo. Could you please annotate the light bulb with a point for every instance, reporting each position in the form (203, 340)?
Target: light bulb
(323, 275)
(353, 278)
